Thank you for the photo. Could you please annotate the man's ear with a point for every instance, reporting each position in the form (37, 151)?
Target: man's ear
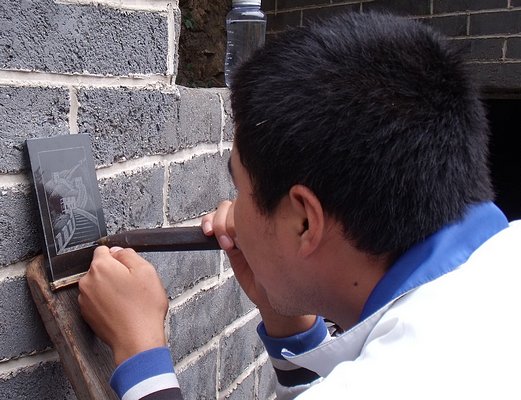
(309, 212)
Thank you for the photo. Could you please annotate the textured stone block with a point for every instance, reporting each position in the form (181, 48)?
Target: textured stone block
(182, 270)
(20, 227)
(198, 185)
(133, 200)
(446, 6)
(508, 22)
(204, 316)
(454, 25)
(292, 4)
(21, 330)
(45, 36)
(43, 382)
(483, 49)
(199, 117)
(281, 21)
(312, 14)
(199, 380)
(28, 113)
(125, 123)
(238, 350)
(513, 48)
(405, 7)
(497, 77)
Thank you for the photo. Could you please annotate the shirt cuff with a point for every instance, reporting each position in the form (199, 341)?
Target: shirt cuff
(296, 344)
(144, 373)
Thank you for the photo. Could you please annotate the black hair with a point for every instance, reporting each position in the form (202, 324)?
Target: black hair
(376, 114)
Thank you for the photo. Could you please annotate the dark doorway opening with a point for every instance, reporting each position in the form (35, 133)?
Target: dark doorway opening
(505, 154)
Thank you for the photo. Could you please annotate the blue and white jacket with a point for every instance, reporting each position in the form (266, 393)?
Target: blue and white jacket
(443, 322)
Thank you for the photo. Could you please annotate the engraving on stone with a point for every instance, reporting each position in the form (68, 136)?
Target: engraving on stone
(68, 199)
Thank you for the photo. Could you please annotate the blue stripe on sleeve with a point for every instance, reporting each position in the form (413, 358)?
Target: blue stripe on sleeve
(297, 344)
(142, 366)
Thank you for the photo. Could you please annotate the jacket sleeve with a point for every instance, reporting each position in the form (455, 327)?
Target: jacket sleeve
(292, 379)
(148, 376)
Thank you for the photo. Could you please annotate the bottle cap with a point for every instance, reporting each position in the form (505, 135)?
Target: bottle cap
(246, 2)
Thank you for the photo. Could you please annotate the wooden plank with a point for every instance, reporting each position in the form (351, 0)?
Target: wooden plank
(87, 361)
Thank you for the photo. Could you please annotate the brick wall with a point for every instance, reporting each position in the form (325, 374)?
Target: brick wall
(489, 31)
(107, 68)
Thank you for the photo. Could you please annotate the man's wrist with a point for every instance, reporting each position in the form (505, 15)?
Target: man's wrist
(124, 351)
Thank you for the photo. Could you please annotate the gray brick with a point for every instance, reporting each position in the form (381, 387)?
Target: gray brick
(238, 350)
(244, 390)
(281, 21)
(125, 124)
(43, 382)
(454, 25)
(20, 229)
(199, 381)
(208, 314)
(313, 14)
(268, 5)
(267, 380)
(21, 330)
(508, 22)
(28, 113)
(482, 49)
(292, 4)
(181, 271)
(514, 48)
(515, 3)
(405, 7)
(199, 116)
(197, 186)
(497, 77)
(445, 6)
(45, 36)
(133, 200)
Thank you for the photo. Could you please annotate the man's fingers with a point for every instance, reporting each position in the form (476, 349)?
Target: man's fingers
(220, 225)
(129, 258)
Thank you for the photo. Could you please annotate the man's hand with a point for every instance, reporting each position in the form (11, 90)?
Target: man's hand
(221, 224)
(124, 302)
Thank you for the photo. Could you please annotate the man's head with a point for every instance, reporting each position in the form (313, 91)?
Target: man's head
(376, 115)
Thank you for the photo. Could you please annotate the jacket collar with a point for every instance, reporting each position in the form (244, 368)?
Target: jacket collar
(437, 255)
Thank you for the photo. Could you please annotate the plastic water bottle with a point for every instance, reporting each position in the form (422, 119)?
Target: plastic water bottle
(246, 31)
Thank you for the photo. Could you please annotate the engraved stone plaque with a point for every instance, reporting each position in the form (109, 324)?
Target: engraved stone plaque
(69, 201)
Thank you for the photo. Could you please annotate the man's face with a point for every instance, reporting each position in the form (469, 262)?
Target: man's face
(267, 245)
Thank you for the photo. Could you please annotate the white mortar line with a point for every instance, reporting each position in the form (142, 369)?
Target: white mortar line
(147, 161)
(13, 271)
(73, 110)
(223, 119)
(192, 358)
(170, 58)
(8, 368)
(240, 322)
(166, 177)
(44, 79)
(137, 5)
(247, 372)
(213, 282)
(224, 274)
(10, 181)
(189, 294)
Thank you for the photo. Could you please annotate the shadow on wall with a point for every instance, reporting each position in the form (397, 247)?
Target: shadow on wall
(202, 43)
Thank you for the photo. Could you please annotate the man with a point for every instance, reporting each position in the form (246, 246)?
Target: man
(363, 196)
